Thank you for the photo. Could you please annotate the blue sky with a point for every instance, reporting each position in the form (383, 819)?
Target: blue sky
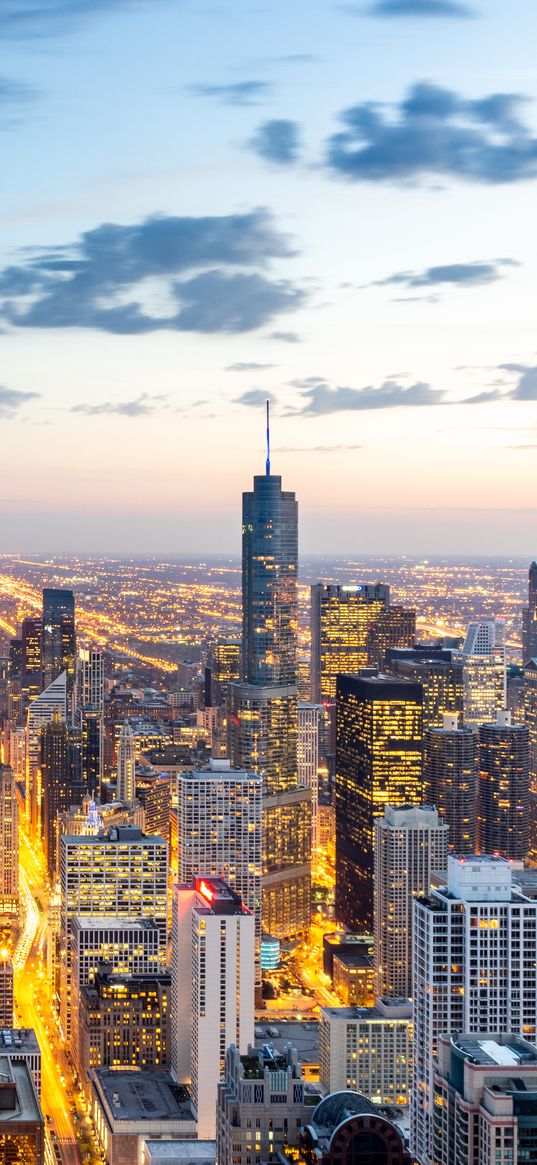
(329, 203)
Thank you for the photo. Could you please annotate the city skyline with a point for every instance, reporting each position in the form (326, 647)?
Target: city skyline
(268, 221)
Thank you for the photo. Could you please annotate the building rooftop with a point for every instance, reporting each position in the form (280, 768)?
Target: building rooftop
(384, 1009)
(18, 1098)
(505, 1051)
(218, 897)
(175, 1152)
(139, 1096)
(116, 834)
(304, 1036)
(17, 1039)
(112, 922)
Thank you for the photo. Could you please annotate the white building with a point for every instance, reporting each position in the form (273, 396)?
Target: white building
(9, 844)
(410, 844)
(91, 678)
(213, 949)
(475, 970)
(311, 757)
(484, 672)
(219, 832)
(367, 1050)
(126, 764)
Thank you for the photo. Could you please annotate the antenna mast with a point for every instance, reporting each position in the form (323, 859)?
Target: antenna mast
(268, 440)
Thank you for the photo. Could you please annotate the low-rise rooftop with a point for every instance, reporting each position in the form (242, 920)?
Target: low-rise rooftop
(139, 1096)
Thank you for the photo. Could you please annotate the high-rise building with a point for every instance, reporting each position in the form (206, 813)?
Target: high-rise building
(395, 627)
(529, 618)
(411, 843)
(367, 1049)
(440, 678)
(213, 948)
(263, 1102)
(219, 832)
(32, 662)
(530, 720)
(504, 788)
(485, 1100)
(313, 733)
(126, 764)
(223, 668)
(90, 678)
(475, 950)
(40, 712)
(263, 708)
(378, 763)
(91, 730)
(55, 784)
(59, 638)
(341, 618)
(6, 990)
(450, 777)
(484, 672)
(9, 844)
(122, 874)
(124, 1022)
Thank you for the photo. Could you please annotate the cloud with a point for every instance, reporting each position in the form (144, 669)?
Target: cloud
(237, 93)
(526, 387)
(434, 131)
(320, 399)
(15, 96)
(317, 448)
(434, 8)
(285, 337)
(245, 366)
(111, 277)
(141, 407)
(43, 18)
(254, 397)
(11, 400)
(277, 141)
(471, 274)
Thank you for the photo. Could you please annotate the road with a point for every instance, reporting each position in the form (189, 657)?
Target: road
(62, 1105)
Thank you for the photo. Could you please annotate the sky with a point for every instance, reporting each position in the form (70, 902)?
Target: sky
(328, 203)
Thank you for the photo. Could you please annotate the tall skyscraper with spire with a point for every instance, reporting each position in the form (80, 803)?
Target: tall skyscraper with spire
(263, 725)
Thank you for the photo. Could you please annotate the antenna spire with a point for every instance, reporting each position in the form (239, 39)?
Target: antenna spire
(268, 440)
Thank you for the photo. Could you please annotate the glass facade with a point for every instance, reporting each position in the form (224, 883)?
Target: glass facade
(269, 583)
(59, 641)
(341, 619)
(504, 790)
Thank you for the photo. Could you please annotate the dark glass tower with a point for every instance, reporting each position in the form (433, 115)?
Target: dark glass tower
(504, 789)
(59, 642)
(450, 777)
(264, 709)
(529, 623)
(55, 784)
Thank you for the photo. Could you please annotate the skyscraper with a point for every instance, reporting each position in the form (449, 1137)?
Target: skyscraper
(450, 768)
(126, 764)
(441, 678)
(313, 729)
(378, 763)
(529, 618)
(263, 708)
(395, 627)
(475, 950)
(90, 678)
(410, 844)
(213, 951)
(530, 720)
(341, 618)
(55, 783)
(9, 844)
(32, 662)
(484, 672)
(504, 788)
(40, 713)
(59, 640)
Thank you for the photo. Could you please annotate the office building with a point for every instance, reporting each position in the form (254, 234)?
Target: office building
(9, 844)
(22, 1127)
(484, 672)
(378, 763)
(313, 746)
(341, 618)
(90, 678)
(503, 824)
(129, 1107)
(31, 676)
(91, 730)
(223, 668)
(55, 784)
(154, 792)
(263, 714)
(219, 832)
(485, 1100)
(40, 712)
(450, 778)
(529, 618)
(395, 627)
(213, 949)
(126, 764)
(441, 680)
(263, 1102)
(475, 950)
(368, 1050)
(6, 990)
(347, 1127)
(353, 975)
(410, 844)
(530, 720)
(123, 1022)
(121, 874)
(59, 639)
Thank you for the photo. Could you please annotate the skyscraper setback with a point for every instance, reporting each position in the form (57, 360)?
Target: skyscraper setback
(264, 709)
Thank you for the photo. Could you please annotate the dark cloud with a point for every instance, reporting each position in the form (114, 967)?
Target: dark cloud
(141, 407)
(11, 400)
(285, 337)
(277, 141)
(237, 93)
(247, 366)
(320, 399)
(434, 131)
(101, 281)
(43, 18)
(434, 8)
(470, 274)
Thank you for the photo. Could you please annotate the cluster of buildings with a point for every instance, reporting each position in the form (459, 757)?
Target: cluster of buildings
(178, 830)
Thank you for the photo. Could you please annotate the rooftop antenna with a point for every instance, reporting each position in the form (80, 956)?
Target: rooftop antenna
(268, 440)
